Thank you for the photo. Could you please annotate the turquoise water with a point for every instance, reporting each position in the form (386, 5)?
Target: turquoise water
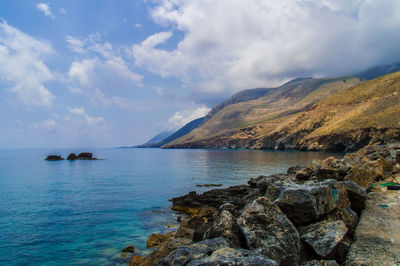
(85, 212)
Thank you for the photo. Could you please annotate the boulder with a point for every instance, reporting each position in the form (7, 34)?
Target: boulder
(357, 196)
(164, 250)
(136, 260)
(323, 236)
(230, 256)
(54, 158)
(228, 207)
(85, 156)
(224, 226)
(304, 173)
(187, 253)
(304, 203)
(155, 240)
(72, 157)
(237, 195)
(130, 249)
(267, 231)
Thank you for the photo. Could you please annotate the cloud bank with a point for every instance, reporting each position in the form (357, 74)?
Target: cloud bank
(229, 45)
(22, 67)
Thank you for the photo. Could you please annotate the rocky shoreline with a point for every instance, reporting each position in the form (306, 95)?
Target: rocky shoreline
(308, 216)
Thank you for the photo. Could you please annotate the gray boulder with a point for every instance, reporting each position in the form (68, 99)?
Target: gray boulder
(187, 253)
(267, 231)
(230, 256)
(323, 236)
(304, 203)
(357, 196)
(224, 226)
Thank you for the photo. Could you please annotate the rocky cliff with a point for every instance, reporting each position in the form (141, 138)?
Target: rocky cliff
(340, 114)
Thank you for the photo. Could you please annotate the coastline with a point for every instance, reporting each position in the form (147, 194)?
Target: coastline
(313, 213)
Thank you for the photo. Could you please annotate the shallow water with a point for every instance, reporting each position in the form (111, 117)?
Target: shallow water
(85, 212)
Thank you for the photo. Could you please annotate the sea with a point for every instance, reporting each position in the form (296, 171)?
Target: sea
(85, 212)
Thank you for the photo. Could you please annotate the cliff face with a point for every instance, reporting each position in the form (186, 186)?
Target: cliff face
(340, 114)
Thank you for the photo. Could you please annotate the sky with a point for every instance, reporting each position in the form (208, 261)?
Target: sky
(104, 73)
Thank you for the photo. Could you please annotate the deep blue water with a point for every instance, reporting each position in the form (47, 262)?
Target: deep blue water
(85, 212)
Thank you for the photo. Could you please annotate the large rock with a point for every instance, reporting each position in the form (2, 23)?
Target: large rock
(237, 195)
(357, 196)
(54, 158)
(304, 203)
(267, 231)
(187, 253)
(230, 256)
(72, 157)
(224, 226)
(85, 156)
(323, 236)
(155, 240)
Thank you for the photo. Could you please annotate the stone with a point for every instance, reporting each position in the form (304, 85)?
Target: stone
(228, 207)
(293, 169)
(155, 240)
(136, 260)
(185, 254)
(237, 195)
(54, 158)
(230, 256)
(304, 173)
(164, 250)
(267, 231)
(357, 196)
(224, 226)
(85, 156)
(397, 156)
(130, 249)
(72, 157)
(330, 173)
(304, 203)
(323, 236)
(321, 263)
(347, 216)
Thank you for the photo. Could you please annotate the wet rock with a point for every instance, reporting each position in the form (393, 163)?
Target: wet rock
(228, 207)
(155, 240)
(267, 231)
(230, 256)
(130, 249)
(304, 203)
(357, 196)
(237, 195)
(72, 157)
(321, 263)
(85, 156)
(136, 260)
(304, 173)
(185, 254)
(323, 236)
(347, 216)
(164, 250)
(54, 158)
(293, 169)
(224, 226)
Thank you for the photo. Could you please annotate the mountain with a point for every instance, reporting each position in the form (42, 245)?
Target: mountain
(186, 129)
(160, 137)
(337, 114)
(378, 71)
(240, 122)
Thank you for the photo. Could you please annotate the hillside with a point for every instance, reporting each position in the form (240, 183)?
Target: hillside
(243, 120)
(186, 129)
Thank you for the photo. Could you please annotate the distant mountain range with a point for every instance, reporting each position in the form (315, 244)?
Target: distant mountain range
(339, 114)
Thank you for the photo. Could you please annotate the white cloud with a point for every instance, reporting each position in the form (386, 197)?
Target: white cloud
(45, 8)
(75, 44)
(22, 69)
(229, 45)
(89, 120)
(179, 119)
(48, 124)
(63, 11)
(138, 25)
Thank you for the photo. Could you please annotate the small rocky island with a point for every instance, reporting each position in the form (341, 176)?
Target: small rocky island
(321, 214)
(72, 157)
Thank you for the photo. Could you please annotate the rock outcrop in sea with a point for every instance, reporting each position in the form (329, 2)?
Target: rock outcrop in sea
(308, 216)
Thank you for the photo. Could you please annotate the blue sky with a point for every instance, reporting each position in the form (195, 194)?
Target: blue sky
(100, 73)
